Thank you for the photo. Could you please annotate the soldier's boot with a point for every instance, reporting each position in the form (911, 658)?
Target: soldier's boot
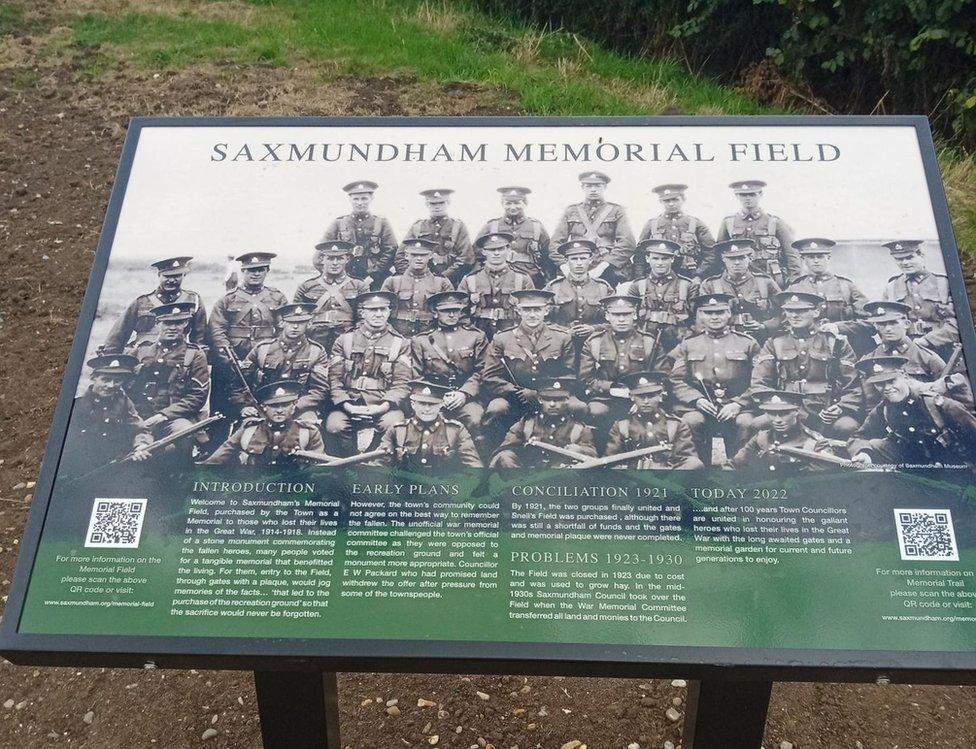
(506, 459)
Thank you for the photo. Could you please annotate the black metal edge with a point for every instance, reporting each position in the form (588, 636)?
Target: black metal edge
(447, 657)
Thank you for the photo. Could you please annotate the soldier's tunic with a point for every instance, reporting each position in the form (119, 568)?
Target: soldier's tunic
(695, 258)
(564, 431)
(454, 255)
(530, 248)
(528, 355)
(665, 310)
(922, 429)
(374, 244)
(259, 442)
(844, 306)
(759, 450)
(488, 293)
(411, 315)
(100, 430)
(922, 365)
(773, 236)
(932, 315)
(334, 300)
(608, 357)
(455, 358)
(753, 294)
(578, 301)
(172, 380)
(641, 430)
(417, 446)
(241, 318)
(604, 223)
(301, 361)
(138, 323)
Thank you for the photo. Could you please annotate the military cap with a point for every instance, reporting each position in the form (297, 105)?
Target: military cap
(779, 400)
(903, 247)
(877, 369)
(493, 241)
(814, 246)
(563, 386)
(174, 312)
(594, 178)
(376, 299)
(278, 393)
(532, 297)
(297, 312)
(123, 364)
(577, 247)
(418, 246)
(428, 391)
(447, 300)
(669, 191)
(514, 193)
(173, 266)
(362, 186)
(255, 259)
(735, 247)
(645, 383)
(886, 311)
(620, 303)
(798, 300)
(713, 301)
(439, 195)
(747, 186)
(335, 247)
(658, 246)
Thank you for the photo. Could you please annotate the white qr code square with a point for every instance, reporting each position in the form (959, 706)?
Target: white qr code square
(926, 536)
(116, 523)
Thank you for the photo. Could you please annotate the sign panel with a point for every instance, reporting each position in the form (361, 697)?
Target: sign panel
(513, 393)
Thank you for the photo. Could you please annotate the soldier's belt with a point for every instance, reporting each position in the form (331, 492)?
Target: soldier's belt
(374, 384)
(332, 316)
(660, 316)
(413, 316)
(250, 331)
(494, 314)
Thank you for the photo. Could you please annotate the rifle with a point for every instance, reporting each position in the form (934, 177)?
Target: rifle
(572, 454)
(622, 457)
(332, 461)
(951, 364)
(827, 458)
(236, 366)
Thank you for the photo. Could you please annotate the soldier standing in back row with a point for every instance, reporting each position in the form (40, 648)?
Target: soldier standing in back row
(490, 289)
(333, 293)
(137, 321)
(753, 294)
(603, 223)
(373, 243)
(530, 241)
(775, 254)
(414, 287)
(694, 256)
(577, 295)
(453, 255)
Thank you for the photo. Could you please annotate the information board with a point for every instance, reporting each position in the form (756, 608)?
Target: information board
(566, 395)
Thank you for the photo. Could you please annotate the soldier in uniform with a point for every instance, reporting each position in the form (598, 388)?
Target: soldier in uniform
(239, 320)
(373, 243)
(613, 353)
(578, 295)
(775, 254)
(647, 424)
(711, 376)
(530, 241)
(844, 301)
(754, 311)
(291, 357)
(911, 424)
(453, 255)
(104, 423)
(452, 354)
(171, 382)
(603, 223)
(694, 257)
(782, 413)
(552, 423)
(270, 438)
(934, 323)
(414, 287)
(137, 321)
(815, 363)
(490, 289)
(368, 375)
(427, 439)
(333, 292)
(665, 309)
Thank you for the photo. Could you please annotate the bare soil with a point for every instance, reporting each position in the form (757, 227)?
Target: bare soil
(60, 138)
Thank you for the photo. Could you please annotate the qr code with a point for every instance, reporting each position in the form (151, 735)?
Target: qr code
(116, 523)
(926, 536)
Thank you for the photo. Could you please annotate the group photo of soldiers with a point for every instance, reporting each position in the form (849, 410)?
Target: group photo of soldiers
(723, 342)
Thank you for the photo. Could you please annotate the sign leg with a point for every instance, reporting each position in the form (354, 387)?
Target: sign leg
(725, 714)
(298, 709)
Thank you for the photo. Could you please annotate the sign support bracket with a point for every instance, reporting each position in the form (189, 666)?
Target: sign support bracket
(298, 709)
(725, 714)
